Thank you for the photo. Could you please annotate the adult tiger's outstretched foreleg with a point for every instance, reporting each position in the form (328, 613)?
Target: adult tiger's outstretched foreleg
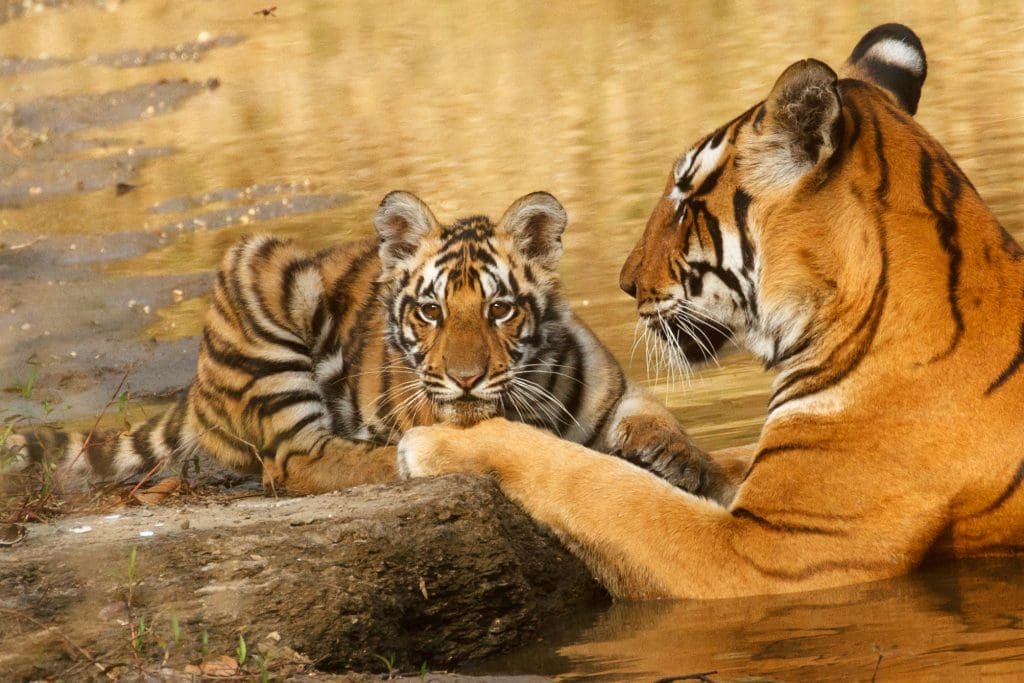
(668, 543)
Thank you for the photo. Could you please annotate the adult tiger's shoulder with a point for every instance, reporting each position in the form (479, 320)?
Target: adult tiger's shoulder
(839, 242)
(311, 366)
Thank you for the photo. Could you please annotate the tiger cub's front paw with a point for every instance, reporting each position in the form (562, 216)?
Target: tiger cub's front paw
(665, 450)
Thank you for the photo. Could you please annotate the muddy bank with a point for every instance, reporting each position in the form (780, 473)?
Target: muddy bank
(440, 572)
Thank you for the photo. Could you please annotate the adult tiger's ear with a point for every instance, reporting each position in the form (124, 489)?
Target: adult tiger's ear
(402, 221)
(798, 129)
(891, 56)
(537, 221)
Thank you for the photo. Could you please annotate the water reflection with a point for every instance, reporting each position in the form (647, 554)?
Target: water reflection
(956, 622)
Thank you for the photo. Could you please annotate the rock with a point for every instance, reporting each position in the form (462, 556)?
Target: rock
(441, 571)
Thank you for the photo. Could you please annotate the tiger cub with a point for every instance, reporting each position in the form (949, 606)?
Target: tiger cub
(312, 366)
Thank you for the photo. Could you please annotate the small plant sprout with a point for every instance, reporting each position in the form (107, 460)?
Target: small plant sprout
(139, 632)
(389, 662)
(241, 651)
(264, 663)
(204, 643)
(133, 556)
(7, 455)
(175, 629)
(25, 388)
(122, 409)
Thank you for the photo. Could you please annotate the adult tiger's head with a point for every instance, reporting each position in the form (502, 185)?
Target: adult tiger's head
(471, 304)
(769, 226)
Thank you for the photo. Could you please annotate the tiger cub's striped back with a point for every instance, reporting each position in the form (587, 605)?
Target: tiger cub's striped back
(311, 366)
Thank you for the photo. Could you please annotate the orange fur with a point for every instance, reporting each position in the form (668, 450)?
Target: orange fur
(830, 234)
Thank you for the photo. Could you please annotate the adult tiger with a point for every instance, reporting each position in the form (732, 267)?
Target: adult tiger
(312, 365)
(838, 241)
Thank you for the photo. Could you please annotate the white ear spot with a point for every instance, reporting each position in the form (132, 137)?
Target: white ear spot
(897, 53)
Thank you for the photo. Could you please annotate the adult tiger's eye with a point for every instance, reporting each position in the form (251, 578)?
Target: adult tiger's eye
(430, 312)
(500, 309)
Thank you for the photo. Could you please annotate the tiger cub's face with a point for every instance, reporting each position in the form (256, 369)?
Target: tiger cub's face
(471, 304)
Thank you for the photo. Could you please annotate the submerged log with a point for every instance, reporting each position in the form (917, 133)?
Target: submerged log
(441, 572)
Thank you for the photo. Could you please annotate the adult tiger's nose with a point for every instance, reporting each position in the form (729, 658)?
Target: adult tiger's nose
(466, 380)
(628, 285)
(628, 274)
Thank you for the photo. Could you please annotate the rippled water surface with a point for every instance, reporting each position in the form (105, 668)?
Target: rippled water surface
(298, 123)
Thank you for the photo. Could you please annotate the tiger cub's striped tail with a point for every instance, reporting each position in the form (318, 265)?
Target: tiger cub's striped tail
(81, 459)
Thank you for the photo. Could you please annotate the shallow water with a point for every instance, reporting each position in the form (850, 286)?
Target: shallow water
(299, 123)
(952, 623)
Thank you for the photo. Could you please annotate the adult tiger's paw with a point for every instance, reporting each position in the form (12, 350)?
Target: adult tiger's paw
(431, 451)
(665, 450)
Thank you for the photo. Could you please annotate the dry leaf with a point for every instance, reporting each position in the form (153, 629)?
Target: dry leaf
(11, 534)
(156, 493)
(220, 667)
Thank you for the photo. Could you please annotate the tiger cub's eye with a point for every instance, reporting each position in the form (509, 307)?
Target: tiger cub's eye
(430, 312)
(500, 310)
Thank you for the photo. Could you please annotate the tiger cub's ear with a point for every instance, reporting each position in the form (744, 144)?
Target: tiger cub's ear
(402, 221)
(798, 128)
(536, 222)
(891, 56)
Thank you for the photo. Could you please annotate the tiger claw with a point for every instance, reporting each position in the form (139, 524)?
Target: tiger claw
(667, 452)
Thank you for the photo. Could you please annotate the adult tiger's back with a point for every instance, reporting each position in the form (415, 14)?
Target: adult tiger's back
(832, 236)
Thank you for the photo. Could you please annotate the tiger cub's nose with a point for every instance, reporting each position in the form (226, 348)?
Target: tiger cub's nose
(466, 380)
